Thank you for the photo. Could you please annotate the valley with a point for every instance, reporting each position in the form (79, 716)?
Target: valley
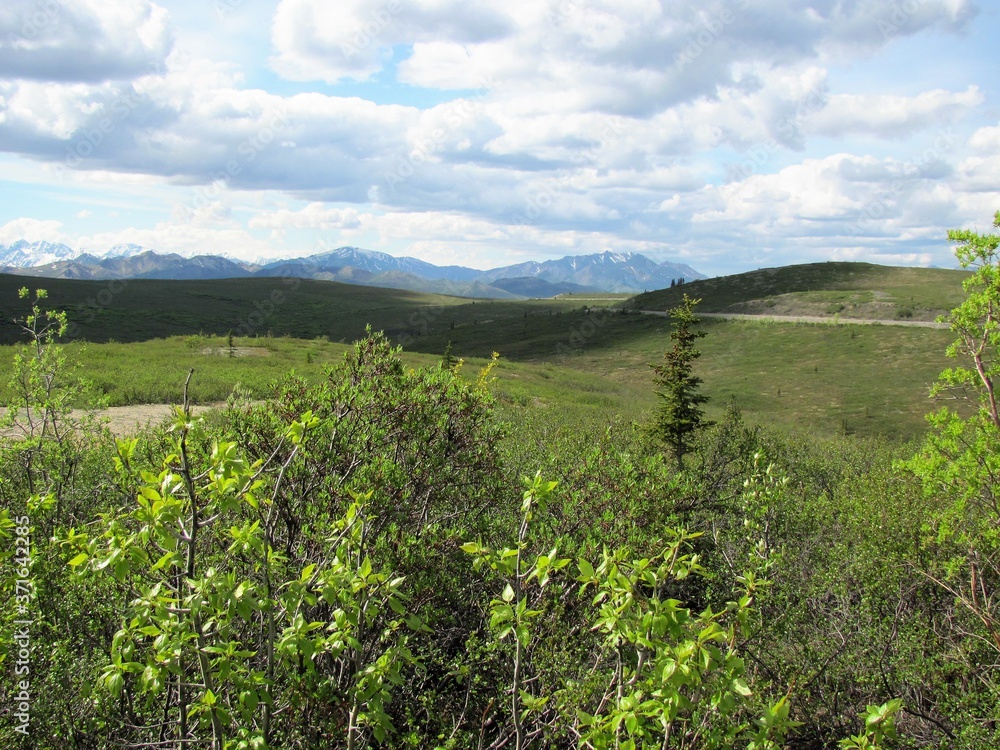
(433, 439)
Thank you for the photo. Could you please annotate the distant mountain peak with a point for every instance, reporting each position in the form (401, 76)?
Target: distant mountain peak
(24, 254)
(609, 270)
(127, 250)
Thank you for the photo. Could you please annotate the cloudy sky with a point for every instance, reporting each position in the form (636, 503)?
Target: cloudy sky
(728, 134)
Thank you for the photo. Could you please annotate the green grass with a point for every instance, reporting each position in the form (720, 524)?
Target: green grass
(857, 290)
(568, 359)
(154, 371)
(827, 379)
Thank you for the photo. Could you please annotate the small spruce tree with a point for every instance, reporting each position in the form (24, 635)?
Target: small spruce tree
(678, 414)
(448, 361)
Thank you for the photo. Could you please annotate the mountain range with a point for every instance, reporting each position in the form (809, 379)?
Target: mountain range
(601, 272)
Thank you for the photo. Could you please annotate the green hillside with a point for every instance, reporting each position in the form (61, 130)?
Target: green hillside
(139, 310)
(851, 290)
(826, 379)
(870, 380)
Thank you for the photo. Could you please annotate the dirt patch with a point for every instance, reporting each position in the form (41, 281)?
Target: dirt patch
(127, 420)
(237, 351)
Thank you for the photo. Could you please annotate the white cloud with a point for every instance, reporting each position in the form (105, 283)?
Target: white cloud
(635, 58)
(313, 216)
(32, 230)
(348, 39)
(893, 117)
(181, 238)
(82, 40)
(576, 126)
(986, 140)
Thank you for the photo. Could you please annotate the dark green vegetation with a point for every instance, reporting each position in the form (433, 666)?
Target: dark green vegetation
(870, 380)
(357, 561)
(679, 413)
(139, 310)
(851, 290)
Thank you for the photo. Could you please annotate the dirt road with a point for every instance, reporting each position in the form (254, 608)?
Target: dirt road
(811, 319)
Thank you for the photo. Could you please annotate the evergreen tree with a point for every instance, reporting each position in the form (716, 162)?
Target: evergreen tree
(679, 414)
(448, 361)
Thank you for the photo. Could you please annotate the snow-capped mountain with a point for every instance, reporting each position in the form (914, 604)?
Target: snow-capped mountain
(371, 261)
(24, 254)
(608, 271)
(612, 272)
(123, 251)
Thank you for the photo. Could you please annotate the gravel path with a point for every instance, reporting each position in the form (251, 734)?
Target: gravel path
(126, 420)
(811, 319)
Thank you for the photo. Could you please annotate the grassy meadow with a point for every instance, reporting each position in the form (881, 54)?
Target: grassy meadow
(824, 379)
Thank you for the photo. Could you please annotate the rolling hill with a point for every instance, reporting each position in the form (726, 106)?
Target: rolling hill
(850, 290)
(826, 379)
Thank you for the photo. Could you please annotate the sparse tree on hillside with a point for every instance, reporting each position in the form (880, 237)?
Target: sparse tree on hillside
(448, 361)
(679, 414)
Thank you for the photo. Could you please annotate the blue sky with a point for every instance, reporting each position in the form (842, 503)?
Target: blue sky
(729, 135)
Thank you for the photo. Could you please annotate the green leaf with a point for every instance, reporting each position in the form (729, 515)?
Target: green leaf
(163, 561)
(78, 560)
(741, 687)
(115, 682)
(508, 593)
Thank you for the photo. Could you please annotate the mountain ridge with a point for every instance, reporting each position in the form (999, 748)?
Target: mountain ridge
(598, 272)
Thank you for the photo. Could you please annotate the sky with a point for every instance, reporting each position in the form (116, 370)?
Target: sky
(728, 134)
